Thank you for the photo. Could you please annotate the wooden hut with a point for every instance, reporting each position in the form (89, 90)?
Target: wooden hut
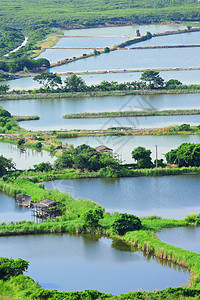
(23, 200)
(103, 148)
(47, 208)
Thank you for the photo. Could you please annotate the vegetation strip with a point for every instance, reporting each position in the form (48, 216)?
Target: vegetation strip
(120, 114)
(25, 118)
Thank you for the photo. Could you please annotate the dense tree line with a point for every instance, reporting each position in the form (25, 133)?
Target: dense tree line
(185, 155)
(85, 157)
(10, 38)
(148, 80)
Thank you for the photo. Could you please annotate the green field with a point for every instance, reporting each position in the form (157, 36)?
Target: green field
(76, 12)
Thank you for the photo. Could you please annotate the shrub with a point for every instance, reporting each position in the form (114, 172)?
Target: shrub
(126, 222)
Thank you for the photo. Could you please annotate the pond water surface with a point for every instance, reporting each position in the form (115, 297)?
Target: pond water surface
(71, 263)
(24, 160)
(186, 77)
(51, 111)
(9, 211)
(166, 196)
(184, 237)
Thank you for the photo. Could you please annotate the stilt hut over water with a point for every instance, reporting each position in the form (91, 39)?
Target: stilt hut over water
(47, 208)
(23, 200)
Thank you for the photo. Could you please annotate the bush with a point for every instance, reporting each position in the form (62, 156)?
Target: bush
(11, 267)
(126, 222)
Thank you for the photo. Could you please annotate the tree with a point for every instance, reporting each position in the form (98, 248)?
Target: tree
(4, 88)
(92, 216)
(126, 222)
(75, 84)
(48, 80)
(184, 127)
(106, 50)
(152, 78)
(173, 84)
(185, 155)
(11, 267)
(43, 167)
(6, 165)
(143, 158)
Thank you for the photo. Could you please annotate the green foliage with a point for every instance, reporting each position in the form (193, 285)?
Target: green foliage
(74, 84)
(48, 80)
(186, 154)
(10, 38)
(11, 267)
(92, 217)
(43, 167)
(21, 142)
(85, 157)
(143, 158)
(152, 78)
(126, 222)
(172, 84)
(5, 165)
(4, 88)
(96, 52)
(184, 127)
(106, 50)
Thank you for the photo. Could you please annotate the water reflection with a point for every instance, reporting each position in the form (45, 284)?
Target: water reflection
(26, 159)
(71, 263)
(9, 211)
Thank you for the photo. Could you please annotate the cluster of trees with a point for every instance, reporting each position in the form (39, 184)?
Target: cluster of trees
(6, 165)
(19, 63)
(85, 157)
(6, 120)
(185, 155)
(149, 80)
(11, 267)
(10, 38)
(144, 160)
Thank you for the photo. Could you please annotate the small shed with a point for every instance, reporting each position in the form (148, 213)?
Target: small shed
(23, 200)
(137, 33)
(47, 208)
(103, 148)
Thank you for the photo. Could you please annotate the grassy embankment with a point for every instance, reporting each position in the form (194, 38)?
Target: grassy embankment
(120, 114)
(34, 95)
(72, 221)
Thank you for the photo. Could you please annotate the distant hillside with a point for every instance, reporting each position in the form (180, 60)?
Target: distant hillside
(90, 12)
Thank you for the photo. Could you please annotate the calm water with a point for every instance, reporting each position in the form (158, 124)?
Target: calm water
(136, 59)
(143, 122)
(54, 55)
(9, 211)
(186, 77)
(167, 196)
(51, 111)
(122, 30)
(93, 42)
(26, 159)
(124, 145)
(190, 38)
(71, 263)
(183, 237)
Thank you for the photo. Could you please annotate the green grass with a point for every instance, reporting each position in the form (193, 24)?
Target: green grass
(120, 114)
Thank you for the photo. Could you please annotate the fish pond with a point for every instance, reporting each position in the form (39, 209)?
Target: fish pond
(165, 196)
(71, 263)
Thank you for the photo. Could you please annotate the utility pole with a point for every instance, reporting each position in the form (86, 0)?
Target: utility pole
(156, 156)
